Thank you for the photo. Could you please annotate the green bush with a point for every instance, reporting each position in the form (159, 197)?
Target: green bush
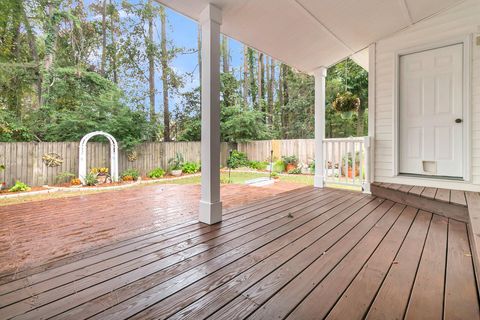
(279, 166)
(64, 177)
(131, 173)
(176, 163)
(156, 173)
(91, 179)
(19, 186)
(295, 171)
(258, 165)
(312, 167)
(191, 167)
(237, 160)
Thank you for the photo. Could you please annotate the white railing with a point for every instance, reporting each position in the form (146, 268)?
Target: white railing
(347, 161)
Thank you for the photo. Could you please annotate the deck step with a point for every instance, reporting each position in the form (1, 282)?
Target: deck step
(448, 203)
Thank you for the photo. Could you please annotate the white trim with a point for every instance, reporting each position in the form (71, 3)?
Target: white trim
(82, 156)
(467, 115)
(372, 99)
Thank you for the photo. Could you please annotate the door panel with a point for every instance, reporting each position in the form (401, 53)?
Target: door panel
(431, 99)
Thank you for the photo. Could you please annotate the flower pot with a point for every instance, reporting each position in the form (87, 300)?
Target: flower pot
(177, 173)
(290, 166)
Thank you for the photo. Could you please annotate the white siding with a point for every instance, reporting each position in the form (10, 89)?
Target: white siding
(460, 20)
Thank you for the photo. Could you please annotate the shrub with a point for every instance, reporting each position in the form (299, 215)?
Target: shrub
(133, 173)
(274, 175)
(279, 166)
(156, 173)
(237, 159)
(258, 165)
(312, 167)
(91, 179)
(19, 186)
(190, 167)
(176, 163)
(295, 171)
(64, 176)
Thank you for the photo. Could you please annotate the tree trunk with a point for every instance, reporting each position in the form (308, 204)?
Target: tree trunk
(261, 69)
(245, 75)
(104, 37)
(225, 54)
(114, 43)
(164, 59)
(33, 48)
(52, 40)
(151, 62)
(251, 69)
(270, 80)
(360, 120)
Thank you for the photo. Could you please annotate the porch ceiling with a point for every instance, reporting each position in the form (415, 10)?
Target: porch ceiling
(307, 34)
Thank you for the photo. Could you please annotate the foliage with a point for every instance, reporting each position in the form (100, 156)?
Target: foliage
(279, 166)
(274, 175)
(99, 171)
(19, 186)
(258, 165)
(237, 159)
(64, 176)
(2, 167)
(12, 129)
(295, 171)
(176, 162)
(190, 167)
(346, 102)
(156, 173)
(133, 173)
(311, 167)
(290, 160)
(90, 179)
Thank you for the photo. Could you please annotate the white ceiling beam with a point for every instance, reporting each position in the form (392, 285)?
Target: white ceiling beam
(323, 26)
(406, 11)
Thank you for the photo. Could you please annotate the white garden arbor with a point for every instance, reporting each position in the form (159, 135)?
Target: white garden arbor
(82, 169)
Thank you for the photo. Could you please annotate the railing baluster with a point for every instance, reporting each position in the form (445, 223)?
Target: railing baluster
(353, 161)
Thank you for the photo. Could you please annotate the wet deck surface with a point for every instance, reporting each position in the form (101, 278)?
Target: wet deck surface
(35, 233)
(310, 254)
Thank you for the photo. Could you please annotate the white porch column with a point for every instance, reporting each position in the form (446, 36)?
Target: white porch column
(210, 205)
(319, 74)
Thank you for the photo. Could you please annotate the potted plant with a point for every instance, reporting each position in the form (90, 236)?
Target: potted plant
(290, 162)
(346, 103)
(348, 158)
(175, 165)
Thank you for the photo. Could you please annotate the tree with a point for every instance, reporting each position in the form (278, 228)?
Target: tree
(104, 37)
(225, 54)
(150, 47)
(165, 71)
(245, 75)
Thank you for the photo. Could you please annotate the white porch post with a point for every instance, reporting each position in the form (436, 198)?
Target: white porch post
(319, 74)
(210, 205)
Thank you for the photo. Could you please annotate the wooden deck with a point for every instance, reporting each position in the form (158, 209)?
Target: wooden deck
(310, 254)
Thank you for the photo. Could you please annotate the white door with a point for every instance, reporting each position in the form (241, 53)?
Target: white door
(431, 112)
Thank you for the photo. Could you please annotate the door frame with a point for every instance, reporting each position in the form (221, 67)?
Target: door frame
(467, 119)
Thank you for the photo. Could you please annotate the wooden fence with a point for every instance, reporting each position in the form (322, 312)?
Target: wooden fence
(304, 149)
(23, 160)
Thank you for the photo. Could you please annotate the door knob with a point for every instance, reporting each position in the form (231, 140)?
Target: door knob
(458, 120)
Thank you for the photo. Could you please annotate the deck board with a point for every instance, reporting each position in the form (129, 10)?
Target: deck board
(308, 254)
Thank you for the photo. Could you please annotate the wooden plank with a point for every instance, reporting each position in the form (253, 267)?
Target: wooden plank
(213, 301)
(443, 195)
(416, 190)
(429, 193)
(323, 297)
(189, 294)
(405, 188)
(180, 278)
(445, 209)
(458, 197)
(473, 202)
(394, 186)
(249, 216)
(460, 276)
(392, 298)
(356, 300)
(426, 300)
(288, 294)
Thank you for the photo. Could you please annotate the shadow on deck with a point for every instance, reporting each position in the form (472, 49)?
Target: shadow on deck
(308, 254)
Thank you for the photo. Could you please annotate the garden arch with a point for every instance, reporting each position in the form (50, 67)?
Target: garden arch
(82, 167)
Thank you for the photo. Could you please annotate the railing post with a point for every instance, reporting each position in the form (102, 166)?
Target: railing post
(366, 182)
